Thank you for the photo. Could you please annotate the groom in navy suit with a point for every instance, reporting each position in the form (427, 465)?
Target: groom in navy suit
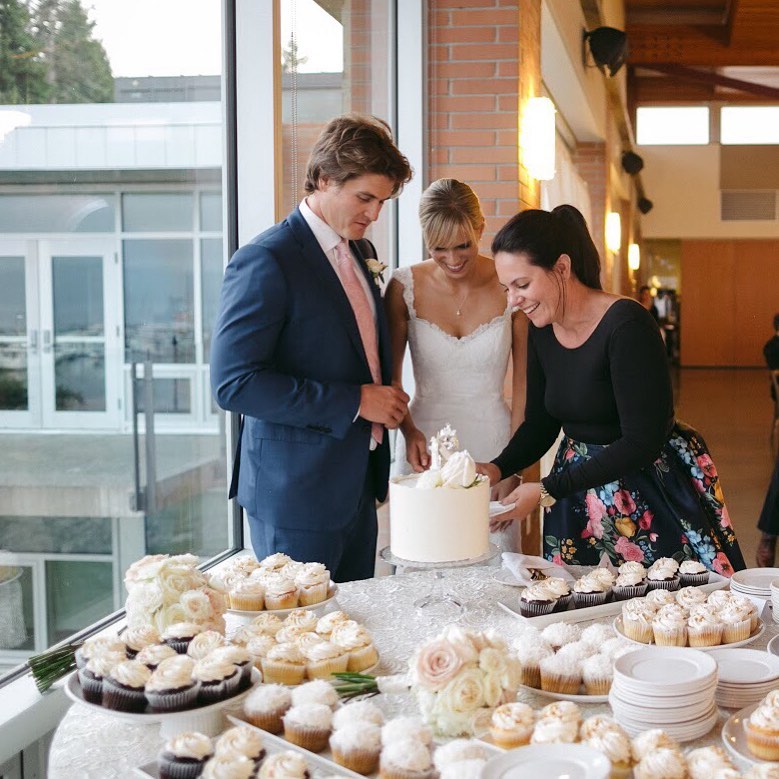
(301, 350)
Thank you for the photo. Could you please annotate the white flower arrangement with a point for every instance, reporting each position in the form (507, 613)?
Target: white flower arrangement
(460, 677)
(163, 590)
(376, 268)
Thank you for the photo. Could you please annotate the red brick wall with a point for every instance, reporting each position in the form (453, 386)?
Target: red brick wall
(483, 58)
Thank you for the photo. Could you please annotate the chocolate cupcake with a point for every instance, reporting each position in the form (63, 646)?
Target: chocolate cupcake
(218, 678)
(184, 755)
(98, 645)
(241, 740)
(693, 574)
(91, 676)
(151, 656)
(123, 687)
(139, 637)
(171, 687)
(179, 634)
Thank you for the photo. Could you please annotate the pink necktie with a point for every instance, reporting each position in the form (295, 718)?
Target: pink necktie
(364, 316)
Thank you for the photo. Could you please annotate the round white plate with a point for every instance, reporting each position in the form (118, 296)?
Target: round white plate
(561, 696)
(755, 578)
(756, 634)
(745, 666)
(734, 737)
(74, 692)
(551, 761)
(672, 668)
(504, 576)
(497, 508)
(332, 591)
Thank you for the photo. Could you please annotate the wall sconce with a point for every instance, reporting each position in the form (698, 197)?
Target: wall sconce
(645, 205)
(613, 232)
(537, 138)
(634, 257)
(609, 48)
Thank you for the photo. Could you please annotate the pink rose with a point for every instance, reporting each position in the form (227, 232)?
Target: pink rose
(436, 663)
(707, 466)
(628, 550)
(594, 528)
(645, 522)
(596, 509)
(653, 537)
(624, 502)
(724, 518)
(557, 560)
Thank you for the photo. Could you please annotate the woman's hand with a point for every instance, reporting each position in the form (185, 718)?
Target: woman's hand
(416, 450)
(490, 470)
(503, 522)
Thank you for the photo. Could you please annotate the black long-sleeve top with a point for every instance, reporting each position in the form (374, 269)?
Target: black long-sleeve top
(613, 389)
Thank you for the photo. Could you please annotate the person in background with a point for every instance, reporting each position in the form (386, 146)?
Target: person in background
(771, 352)
(301, 349)
(452, 312)
(628, 481)
(647, 301)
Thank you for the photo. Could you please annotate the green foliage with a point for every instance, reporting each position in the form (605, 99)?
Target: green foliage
(48, 54)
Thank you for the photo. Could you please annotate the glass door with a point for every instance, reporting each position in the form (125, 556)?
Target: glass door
(80, 341)
(19, 337)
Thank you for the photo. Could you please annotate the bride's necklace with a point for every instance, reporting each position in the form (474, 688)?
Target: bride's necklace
(459, 311)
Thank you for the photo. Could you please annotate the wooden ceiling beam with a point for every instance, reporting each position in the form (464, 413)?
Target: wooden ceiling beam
(715, 79)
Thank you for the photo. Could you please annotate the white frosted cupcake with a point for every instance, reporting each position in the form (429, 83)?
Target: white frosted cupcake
(637, 616)
(690, 596)
(247, 595)
(512, 725)
(241, 740)
(613, 742)
(238, 656)
(357, 747)
(554, 731)
(275, 561)
(358, 711)
(630, 584)
(649, 741)
(203, 643)
(662, 574)
(327, 622)
(596, 634)
(408, 759)
(400, 728)
(457, 750)
(597, 724)
(463, 769)
(284, 664)
(266, 705)
(123, 686)
(537, 599)
(530, 657)
(604, 575)
(137, 638)
(707, 762)
(98, 645)
(324, 659)
(280, 593)
(184, 755)
(693, 573)
(284, 765)
(560, 633)
(578, 650)
(232, 765)
(560, 674)
(668, 763)
(219, 679)
(589, 591)
(317, 691)
(267, 623)
(259, 646)
(704, 627)
(313, 580)
(658, 598)
(357, 640)
(669, 626)
(93, 674)
(308, 725)
(736, 623)
(302, 618)
(597, 674)
(171, 687)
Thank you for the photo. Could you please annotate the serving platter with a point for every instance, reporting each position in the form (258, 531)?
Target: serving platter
(332, 591)
(756, 633)
(561, 696)
(551, 761)
(735, 738)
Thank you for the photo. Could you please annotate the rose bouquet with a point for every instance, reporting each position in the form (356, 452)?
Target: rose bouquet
(163, 590)
(460, 677)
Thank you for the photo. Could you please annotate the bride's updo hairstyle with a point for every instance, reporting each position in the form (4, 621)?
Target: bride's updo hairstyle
(544, 235)
(448, 208)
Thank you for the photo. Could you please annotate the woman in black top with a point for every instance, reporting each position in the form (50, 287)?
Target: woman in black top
(628, 480)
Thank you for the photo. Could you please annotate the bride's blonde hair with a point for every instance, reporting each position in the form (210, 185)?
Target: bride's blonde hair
(447, 209)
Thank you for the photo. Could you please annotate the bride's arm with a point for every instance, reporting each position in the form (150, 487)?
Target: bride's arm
(397, 316)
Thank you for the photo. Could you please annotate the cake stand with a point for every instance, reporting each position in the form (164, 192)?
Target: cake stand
(438, 602)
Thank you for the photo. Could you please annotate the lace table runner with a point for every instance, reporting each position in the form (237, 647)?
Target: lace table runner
(92, 744)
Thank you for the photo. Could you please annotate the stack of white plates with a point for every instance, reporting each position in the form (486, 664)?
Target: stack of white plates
(755, 583)
(671, 688)
(746, 676)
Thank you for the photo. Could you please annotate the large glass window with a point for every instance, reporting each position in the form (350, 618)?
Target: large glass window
(749, 124)
(672, 125)
(111, 258)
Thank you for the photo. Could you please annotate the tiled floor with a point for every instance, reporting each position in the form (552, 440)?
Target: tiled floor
(732, 409)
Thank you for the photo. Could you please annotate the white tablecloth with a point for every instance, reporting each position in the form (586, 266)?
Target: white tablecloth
(92, 744)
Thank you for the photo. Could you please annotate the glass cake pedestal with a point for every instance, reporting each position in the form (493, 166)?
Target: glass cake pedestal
(439, 602)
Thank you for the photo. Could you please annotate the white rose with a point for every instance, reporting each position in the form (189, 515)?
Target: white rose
(459, 470)
(218, 599)
(144, 600)
(184, 560)
(493, 661)
(174, 581)
(144, 570)
(169, 615)
(464, 693)
(217, 623)
(495, 640)
(493, 690)
(429, 480)
(197, 606)
(465, 642)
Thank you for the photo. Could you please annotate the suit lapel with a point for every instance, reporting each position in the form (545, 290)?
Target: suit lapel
(319, 266)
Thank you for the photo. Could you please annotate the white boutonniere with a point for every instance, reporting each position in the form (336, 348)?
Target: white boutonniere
(377, 268)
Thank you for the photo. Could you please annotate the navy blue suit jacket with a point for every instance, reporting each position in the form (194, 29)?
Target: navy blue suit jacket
(287, 354)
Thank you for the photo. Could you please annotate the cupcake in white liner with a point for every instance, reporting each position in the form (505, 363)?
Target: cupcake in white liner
(555, 731)
(355, 638)
(704, 627)
(284, 664)
(247, 595)
(219, 679)
(241, 740)
(326, 623)
(597, 674)
(690, 596)
(613, 742)
(567, 711)
(693, 573)
(184, 755)
(736, 623)
(561, 674)
(409, 759)
(313, 580)
(578, 650)
(668, 763)
(560, 633)
(660, 597)
(637, 617)
(265, 706)
(92, 675)
(358, 711)
(597, 724)
(171, 687)
(324, 659)
(749, 608)
(357, 747)
(309, 639)
(317, 691)
(669, 626)
(400, 728)
(123, 686)
(512, 724)
(137, 638)
(258, 647)
(719, 598)
(530, 657)
(457, 750)
(308, 725)
(280, 593)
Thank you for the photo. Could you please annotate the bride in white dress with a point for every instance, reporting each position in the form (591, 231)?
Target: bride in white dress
(453, 314)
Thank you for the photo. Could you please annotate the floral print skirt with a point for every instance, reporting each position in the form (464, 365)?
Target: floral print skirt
(672, 508)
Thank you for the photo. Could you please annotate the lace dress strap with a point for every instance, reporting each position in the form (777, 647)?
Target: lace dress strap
(406, 279)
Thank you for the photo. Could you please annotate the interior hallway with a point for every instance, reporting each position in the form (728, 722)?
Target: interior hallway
(732, 409)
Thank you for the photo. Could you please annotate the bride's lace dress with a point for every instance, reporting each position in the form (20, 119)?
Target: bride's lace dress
(459, 381)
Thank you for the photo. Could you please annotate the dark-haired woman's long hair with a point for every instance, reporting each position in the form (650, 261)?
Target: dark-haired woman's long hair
(544, 235)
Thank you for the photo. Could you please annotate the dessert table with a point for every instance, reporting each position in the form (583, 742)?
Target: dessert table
(92, 744)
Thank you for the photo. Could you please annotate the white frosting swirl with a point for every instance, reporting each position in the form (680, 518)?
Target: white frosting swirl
(311, 575)
(705, 762)
(511, 716)
(192, 745)
(302, 618)
(174, 676)
(407, 755)
(241, 740)
(231, 766)
(278, 586)
(554, 731)
(458, 750)
(692, 567)
(560, 633)
(668, 763)
(325, 624)
(632, 567)
(597, 724)
(650, 740)
(259, 646)
(275, 561)
(317, 691)
(614, 744)
(286, 653)
(406, 727)
(205, 642)
(267, 623)
(357, 736)
(630, 578)
(284, 765)
(131, 673)
(690, 596)
(323, 650)
(138, 637)
(659, 598)
(564, 710)
(103, 663)
(358, 711)
(351, 635)
(213, 669)
(181, 630)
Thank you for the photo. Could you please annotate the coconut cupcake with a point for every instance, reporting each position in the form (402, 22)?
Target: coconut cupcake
(317, 691)
(560, 674)
(324, 659)
(258, 647)
(662, 574)
(357, 747)
(693, 573)
(284, 664)
(464, 769)
(312, 580)
(405, 759)
(171, 687)
(92, 675)
(762, 730)
(241, 740)
(668, 763)
(358, 711)
(399, 728)
(265, 706)
(597, 674)
(530, 657)
(560, 633)
(669, 626)
(512, 725)
(308, 725)
(280, 593)
(137, 638)
(123, 686)
(355, 638)
(184, 755)
(179, 634)
(596, 635)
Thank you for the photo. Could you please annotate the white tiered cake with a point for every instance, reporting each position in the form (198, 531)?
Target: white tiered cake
(441, 515)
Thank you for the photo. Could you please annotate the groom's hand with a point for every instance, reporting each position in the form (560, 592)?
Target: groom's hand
(383, 404)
